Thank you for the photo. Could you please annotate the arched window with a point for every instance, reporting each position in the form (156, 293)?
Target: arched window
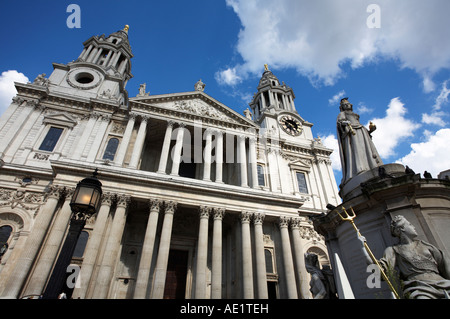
(81, 245)
(111, 149)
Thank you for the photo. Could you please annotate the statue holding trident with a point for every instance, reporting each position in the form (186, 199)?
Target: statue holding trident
(357, 151)
(423, 268)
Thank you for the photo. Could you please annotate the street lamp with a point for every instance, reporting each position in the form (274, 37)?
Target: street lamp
(84, 203)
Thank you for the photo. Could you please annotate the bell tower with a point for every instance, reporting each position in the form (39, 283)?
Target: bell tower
(101, 71)
(273, 107)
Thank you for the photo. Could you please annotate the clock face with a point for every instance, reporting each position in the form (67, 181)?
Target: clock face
(290, 125)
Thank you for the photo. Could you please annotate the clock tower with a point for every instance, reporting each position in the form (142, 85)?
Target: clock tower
(273, 109)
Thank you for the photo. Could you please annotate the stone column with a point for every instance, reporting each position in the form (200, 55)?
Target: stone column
(177, 151)
(140, 292)
(247, 266)
(139, 144)
(202, 254)
(25, 112)
(92, 247)
(165, 149)
(287, 258)
(104, 122)
(32, 245)
(207, 155)
(299, 256)
(82, 141)
(219, 157)
(253, 161)
(122, 150)
(163, 252)
(243, 160)
(50, 251)
(216, 267)
(111, 249)
(261, 276)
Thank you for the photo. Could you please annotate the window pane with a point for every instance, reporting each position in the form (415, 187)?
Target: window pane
(51, 139)
(269, 262)
(111, 149)
(301, 180)
(261, 181)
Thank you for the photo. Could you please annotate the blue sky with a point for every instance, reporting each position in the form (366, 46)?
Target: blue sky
(395, 75)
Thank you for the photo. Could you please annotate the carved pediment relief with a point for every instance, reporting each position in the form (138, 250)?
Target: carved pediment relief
(197, 103)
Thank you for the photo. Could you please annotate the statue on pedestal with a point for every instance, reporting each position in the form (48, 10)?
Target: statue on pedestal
(357, 151)
(322, 281)
(423, 268)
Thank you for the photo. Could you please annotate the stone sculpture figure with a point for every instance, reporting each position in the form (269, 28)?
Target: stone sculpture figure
(423, 268)
(322, 282)
(357, 151)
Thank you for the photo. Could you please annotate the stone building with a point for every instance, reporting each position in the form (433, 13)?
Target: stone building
(198, 200)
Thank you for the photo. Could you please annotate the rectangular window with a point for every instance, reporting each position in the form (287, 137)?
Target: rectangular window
(261, 180)
(301, 181)
(50, 140)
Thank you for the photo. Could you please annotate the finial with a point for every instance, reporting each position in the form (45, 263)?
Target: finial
(126, 28)
(266, 67)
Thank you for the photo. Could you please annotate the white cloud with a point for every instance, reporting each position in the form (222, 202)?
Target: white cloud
(442, 97)
(228, 77)
(330, 141)
(392, 129)
(363, 109)
(7, 88)
(434, 118)
(318, 37)
(431, 155)
(336, 99)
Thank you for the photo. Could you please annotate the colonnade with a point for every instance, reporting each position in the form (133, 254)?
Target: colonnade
(101, 253)
(245, 162)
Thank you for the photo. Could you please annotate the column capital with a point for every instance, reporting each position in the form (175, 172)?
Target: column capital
(258, 218)
(123, 200)
(171, 123)
(219, 212)
(155, 204)
(170, 206)
(204, 212)
(295, 223)
(245, 217)
(55, 191)
(68, 192)
(283, 221)
(107, 199)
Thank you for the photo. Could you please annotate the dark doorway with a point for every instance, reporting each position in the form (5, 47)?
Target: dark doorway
(272, 289)
(175, 287)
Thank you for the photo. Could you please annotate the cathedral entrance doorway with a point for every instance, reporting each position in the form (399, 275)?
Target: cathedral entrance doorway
(175, 287)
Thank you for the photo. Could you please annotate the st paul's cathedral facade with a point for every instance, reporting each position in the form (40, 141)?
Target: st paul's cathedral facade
(198, 200)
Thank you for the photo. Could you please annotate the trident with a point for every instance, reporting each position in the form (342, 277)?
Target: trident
(349, 217)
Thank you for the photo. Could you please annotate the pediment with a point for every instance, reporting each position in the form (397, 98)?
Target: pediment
(59, 119)
(198, 104)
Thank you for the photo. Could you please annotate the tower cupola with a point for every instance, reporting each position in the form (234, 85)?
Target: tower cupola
(271, 96)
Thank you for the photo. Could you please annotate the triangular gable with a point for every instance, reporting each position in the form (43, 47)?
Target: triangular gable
(59, 119)
(196, 103)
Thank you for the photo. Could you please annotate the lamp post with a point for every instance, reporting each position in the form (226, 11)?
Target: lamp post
(85, 202)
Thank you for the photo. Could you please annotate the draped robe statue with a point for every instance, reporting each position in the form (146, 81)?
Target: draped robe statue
(357, 151)
(423, 268)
